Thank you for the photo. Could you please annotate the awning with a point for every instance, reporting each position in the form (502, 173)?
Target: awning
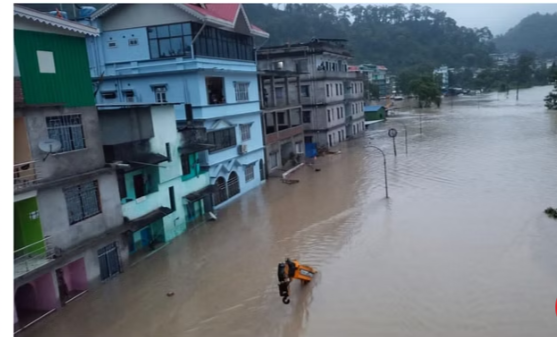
(145, 159)
(199, 194)
(193, 148)
(144, 221)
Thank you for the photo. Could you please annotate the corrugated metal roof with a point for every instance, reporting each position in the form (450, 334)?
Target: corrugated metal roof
(48, 19)
(372, 108)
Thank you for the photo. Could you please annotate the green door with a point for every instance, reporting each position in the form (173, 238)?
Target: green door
(27, 227)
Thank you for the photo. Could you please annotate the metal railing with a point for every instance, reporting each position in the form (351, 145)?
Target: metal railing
(33, 256)
(25, 174)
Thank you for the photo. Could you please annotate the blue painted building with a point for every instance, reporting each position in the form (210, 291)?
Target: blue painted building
(197, 57)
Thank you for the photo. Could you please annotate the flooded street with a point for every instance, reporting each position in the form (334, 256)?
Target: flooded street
(461, 248)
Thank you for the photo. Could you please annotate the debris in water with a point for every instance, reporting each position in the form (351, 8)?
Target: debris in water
(170, 294)
(317, 170)
(551, 212)
(290, 181)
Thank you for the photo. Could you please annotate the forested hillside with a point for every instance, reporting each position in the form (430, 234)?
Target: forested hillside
(536, 33)
(397, 36)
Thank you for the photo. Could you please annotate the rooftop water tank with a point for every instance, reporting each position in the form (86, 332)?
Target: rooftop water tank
(86, 12)
(55, 13)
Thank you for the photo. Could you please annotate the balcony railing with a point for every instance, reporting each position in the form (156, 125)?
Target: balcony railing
(33, 256)
(25, 174)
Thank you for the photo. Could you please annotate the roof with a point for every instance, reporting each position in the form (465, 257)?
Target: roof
(353, 68)
(381, 68)
(219, 14)
(373, 108)
(147, 219)
(44, 18)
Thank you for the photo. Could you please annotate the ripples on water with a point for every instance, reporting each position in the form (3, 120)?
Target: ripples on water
(462, 247)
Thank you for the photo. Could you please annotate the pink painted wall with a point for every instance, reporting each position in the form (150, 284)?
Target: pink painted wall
(75, 275)
(38, 294)
(45, 292)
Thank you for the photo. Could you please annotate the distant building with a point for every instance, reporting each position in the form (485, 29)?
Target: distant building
(443, 72)
(376, 74)
(331, 96)
(280, 99)
(506, 59)
(374, 113)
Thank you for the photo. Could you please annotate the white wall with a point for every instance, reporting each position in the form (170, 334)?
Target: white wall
(126, 16)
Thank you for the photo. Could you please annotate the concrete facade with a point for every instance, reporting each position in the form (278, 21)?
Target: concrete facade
(132, 74)
(77, 209)
(327, 88)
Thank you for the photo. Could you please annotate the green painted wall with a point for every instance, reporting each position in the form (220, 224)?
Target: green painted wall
(70, 84)
(375, 115)
(26, 229)
(195, 169)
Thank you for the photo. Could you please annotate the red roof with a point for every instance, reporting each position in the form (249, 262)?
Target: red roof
(226, 12)
(353, 68)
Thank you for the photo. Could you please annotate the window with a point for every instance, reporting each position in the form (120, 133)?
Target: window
(241, 89)
(281, 118)
(308, 139)
(82, 201)
(67, 130)
(295, 117)
(338, 112)
(108, 94)
(305, 90)
(112, 44)
(302, 65)
(213, 42)
(330, 140)
(279, 93)
(299, 147)
(249, 172)
(170, 40)
(246, 132)
(160, 94)
(128, 95)
(215, 90)
(186, 167)
(172, 198)
(132, 42)
(341, 112)
(327, 86)
(341, 89)
(329, 115)
(168, 153)
(46, 62)
(307, 116)
(222, 139)
(336, 88)
(273, 159)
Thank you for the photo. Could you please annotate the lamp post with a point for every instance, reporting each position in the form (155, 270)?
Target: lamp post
(384, 168)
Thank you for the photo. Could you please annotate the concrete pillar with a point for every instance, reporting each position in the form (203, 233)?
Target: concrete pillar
(261, 84)
(273, 94)
(286, 90)
(299, 90)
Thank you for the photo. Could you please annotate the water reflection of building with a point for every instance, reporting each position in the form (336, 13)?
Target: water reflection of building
(198, 54)
(67, 214)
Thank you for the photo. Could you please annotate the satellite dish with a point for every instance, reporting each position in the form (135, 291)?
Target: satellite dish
(50, 146)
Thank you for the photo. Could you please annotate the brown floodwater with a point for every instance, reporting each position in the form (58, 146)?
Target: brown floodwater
(461, 248)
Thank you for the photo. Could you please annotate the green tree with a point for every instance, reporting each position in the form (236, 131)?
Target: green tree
(427, 90)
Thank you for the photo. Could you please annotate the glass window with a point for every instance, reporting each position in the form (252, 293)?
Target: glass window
(170, 40)
(215, 90)
(68, 130)
(175, 30)
(163, 31)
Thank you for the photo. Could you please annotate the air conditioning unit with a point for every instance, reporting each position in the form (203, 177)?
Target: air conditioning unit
(242, 149)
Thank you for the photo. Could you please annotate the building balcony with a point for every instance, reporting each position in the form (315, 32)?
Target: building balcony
(142, 206)
(220, 110)
(280, 103)
(283, 134)
(33, 256)
(353, 96)
(25, 175)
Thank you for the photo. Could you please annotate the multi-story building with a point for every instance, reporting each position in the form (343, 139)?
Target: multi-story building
(332, 97)
(67, 215)
(443, 73)
(376, 74)
(179, 54)
(280, 99)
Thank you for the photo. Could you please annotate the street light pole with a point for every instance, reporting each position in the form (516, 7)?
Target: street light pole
(384, 168)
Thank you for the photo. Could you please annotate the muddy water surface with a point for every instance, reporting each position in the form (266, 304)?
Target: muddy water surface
(462, 247)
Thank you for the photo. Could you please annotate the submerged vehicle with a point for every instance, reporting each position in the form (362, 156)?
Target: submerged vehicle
(289, 270)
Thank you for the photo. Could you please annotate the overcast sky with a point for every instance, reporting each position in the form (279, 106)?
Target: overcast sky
(497, 17)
